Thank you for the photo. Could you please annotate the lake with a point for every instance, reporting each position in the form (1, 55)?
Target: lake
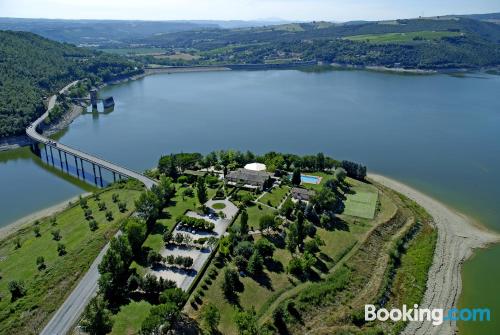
(439, 133)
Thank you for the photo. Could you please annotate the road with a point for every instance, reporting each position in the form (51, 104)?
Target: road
(69, 312)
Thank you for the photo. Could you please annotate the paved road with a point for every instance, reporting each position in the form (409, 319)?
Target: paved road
(69, 312)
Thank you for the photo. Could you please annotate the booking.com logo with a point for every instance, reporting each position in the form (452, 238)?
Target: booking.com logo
(436, 315)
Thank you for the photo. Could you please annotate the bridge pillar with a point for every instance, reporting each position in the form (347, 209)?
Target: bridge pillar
(100, 175)
(114, 177)
(46, 154)
(93, 98)
(66, 160)
(60, 160)
(83, 171)
(51, 155)
(76, 165)
(95, 175)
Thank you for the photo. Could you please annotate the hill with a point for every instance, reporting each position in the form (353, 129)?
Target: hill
(430, 43)
(32, 67)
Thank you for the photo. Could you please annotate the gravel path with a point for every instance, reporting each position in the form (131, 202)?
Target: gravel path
(458, 236)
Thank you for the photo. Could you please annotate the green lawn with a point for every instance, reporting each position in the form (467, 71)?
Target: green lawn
(130, 317)
(402, 37)
(134, 51)
(361, 204)
(275, 196)
(219, 205)
(47, 289)
(255, 213)
(178, 206)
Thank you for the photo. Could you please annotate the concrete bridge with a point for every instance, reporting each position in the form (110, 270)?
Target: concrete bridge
(77, 155)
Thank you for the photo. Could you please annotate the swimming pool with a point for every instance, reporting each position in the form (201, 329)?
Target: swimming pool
(309, 179)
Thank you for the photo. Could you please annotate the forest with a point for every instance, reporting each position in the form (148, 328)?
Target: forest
(32, 67)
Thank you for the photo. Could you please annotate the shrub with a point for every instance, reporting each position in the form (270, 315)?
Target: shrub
(40, 263)
(188, 192)
(17, 242)
(36, 231)
(154, 258)
(88, 214)
(167, 236)
(196, 223)
(16, 289)
(93, 225)
(56, 235)
(109, 215)
(115, 197)
(102, 206)
(83, 203)
(61, 249)
(53, 221)
(122, 206)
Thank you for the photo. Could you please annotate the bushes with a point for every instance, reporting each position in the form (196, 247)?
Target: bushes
(180, 261)
(196, 223)
(16, 289)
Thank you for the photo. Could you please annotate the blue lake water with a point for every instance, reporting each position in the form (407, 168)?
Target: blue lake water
(440, 134)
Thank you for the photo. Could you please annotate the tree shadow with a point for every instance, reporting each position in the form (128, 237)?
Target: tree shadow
(320, 265)
(325, 258)
(277, 240)
(263, 280)
(274, 265)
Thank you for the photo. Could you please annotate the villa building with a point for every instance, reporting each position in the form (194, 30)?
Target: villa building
(249, 179)
(302, 194)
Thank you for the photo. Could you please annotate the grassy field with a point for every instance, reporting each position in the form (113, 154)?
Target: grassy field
(46, 289)
(361, 204)
(129, 319)
(275, 196)
(402, 37)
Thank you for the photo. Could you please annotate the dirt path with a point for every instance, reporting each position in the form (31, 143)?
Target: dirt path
(458, 236)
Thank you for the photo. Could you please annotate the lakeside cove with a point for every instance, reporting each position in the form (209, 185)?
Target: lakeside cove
(183, 103)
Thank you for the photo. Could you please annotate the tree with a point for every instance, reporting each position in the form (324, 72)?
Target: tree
(246, 322)
(320, 161)
(244, 223)
(109, 215)
(264, 248)
(40, 263)
(340, 174)
(255, 264)
(93, 225)
(211, 318)
(102, 206)
(287, 208)
(164, 191)
(201, 190)
(96, 319)
(136, 234)
(122, 206)
(16, 289)
(267, 222)
(61, 249)
(296, 180)
(244, 248)
(310, 214)
(56, 235)
(230, 284)
(36, 231)
(160, 319)
(133, 282)
(174, 295)
(148, 206)
(292, 238)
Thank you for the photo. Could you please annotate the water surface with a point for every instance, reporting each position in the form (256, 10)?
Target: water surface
(437, 133)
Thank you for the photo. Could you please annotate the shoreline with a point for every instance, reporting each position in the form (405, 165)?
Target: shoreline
(458, 237)
(13, 227)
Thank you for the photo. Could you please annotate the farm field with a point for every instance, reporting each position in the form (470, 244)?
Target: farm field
(403, 37)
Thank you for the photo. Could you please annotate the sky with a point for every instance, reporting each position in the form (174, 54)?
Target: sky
(293, 10)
